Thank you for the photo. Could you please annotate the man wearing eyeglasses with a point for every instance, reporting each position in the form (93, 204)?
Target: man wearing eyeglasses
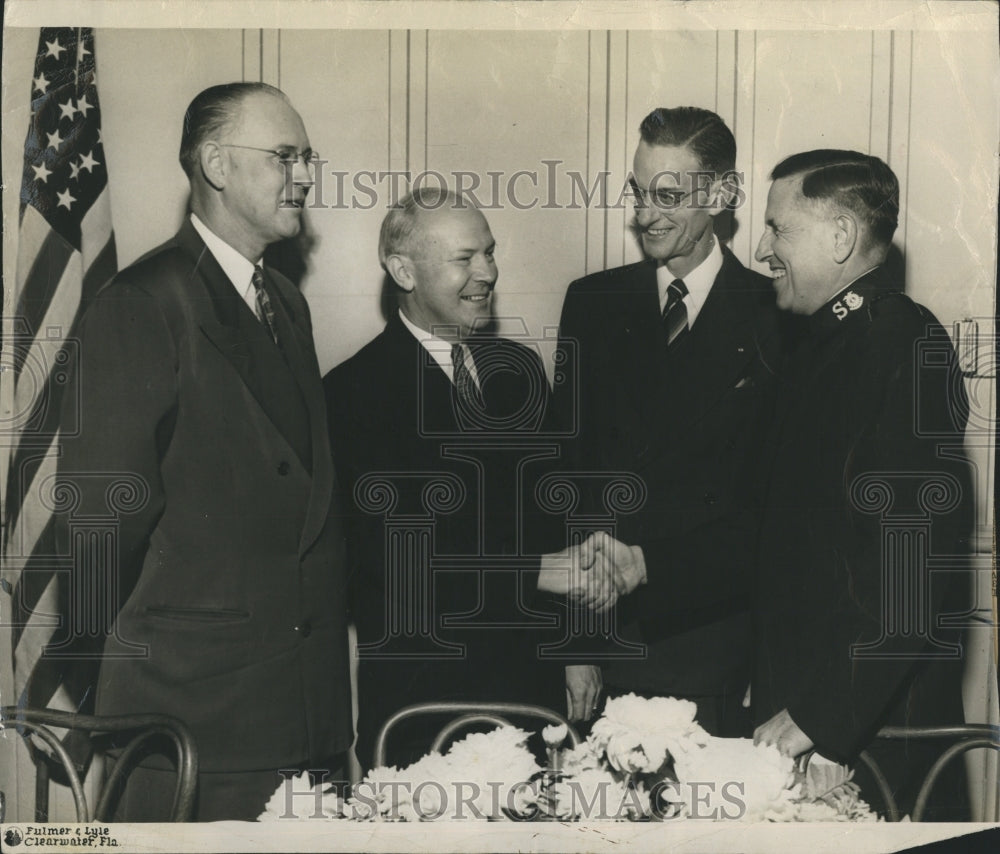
(200, 388)
(672, 359)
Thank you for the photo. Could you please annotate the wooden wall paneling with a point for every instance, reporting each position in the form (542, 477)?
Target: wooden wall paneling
(510, 104)
(620, 148)
(339, 82)
(901, 68)
(805, 96)
(665, 69)
(397, 128)
(744, 239)
(596, 217)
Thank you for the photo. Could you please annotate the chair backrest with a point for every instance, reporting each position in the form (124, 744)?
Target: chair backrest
(963, 739)
(139, 730)
(467, 713)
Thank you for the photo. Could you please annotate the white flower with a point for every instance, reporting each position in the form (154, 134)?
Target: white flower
(734, 778)
(555, 735)
(638, 734)
(281, 806)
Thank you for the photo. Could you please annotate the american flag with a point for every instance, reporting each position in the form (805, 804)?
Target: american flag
(66, 252)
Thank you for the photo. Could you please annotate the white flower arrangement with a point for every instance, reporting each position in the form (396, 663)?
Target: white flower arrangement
(644, 758)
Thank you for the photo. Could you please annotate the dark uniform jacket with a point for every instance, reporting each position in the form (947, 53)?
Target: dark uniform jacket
(442, 534)
(868, 479)
(228, 596)
(683, 423)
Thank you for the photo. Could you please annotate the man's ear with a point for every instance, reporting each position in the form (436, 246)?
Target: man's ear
(845, 236)
(213, 164)
(401, 269)
(722, 194)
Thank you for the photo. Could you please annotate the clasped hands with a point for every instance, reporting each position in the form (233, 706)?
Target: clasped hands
(594, 573)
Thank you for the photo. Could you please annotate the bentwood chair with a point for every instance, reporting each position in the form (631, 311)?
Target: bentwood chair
(467, 713)
(130, 732)
(963, 739)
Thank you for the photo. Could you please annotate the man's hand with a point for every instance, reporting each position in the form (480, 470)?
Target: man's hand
(784, 733)
(583, 691)
(628, 564)
(581, 574)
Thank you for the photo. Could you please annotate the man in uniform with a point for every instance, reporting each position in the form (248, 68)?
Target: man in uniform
(868, 478)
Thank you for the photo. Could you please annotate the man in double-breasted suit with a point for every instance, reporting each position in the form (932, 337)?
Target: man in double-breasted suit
(200, 389)
(672, 357)
(439, 433)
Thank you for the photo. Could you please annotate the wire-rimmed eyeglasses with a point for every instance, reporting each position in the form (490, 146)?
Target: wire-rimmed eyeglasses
(285, 156)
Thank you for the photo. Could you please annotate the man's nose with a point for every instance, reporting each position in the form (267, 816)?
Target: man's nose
(486, 270)
(763, 247)
(646, 214)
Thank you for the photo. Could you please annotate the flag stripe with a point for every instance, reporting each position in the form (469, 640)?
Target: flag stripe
(100, 272)
(42, 284)
(95, 228)
(66, 252)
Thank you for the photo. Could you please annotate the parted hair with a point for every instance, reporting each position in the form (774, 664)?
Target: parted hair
(860, 183)
(400, 223)
(212, 111)
(700, 130)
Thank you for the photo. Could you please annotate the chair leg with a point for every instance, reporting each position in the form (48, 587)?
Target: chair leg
(41, 789)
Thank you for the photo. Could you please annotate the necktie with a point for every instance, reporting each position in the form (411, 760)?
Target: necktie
(468, 391)
(675, 316)
(265, 312)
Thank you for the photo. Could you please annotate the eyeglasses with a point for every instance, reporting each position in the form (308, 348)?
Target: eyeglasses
(662, 199)
(285, 156)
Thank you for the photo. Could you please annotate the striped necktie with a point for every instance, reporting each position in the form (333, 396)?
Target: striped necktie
(265, 311)
(675, 316)
(468, 391)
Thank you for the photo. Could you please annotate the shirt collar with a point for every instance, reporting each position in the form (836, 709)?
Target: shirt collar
(238, 269)
(438, 348)
(848, 302)
(699, 282)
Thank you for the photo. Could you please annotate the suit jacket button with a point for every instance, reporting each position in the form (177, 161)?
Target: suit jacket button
(283, 468)
(306, 629)
(709, 498)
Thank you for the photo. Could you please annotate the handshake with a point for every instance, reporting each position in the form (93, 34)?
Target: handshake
(593, 573)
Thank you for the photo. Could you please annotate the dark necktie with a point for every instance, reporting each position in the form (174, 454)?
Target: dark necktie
(468, 391)
(675, 316)
(265, 312)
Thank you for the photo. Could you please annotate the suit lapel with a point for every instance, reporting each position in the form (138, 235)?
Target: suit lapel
(301, 359)
(719, 349)
(638, 344)
(220, 323)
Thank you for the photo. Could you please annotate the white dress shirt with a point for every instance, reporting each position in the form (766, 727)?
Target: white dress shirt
(440, 350)
(238, 269)
(699, 282)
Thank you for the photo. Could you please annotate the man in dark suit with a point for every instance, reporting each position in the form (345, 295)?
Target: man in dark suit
(439, 432)
(200, 391)
(672, 357)
(868, 480)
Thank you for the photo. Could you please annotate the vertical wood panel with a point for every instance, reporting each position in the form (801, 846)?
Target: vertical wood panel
(338, 80)
(901, 64)
(270, 53)
(880, 110)
(511, 104)
(805, 96)
(744, 238)
(418, 50)
(398, 100)
(619, 154)
(251, 53)
(665, 69)
(595, 225)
